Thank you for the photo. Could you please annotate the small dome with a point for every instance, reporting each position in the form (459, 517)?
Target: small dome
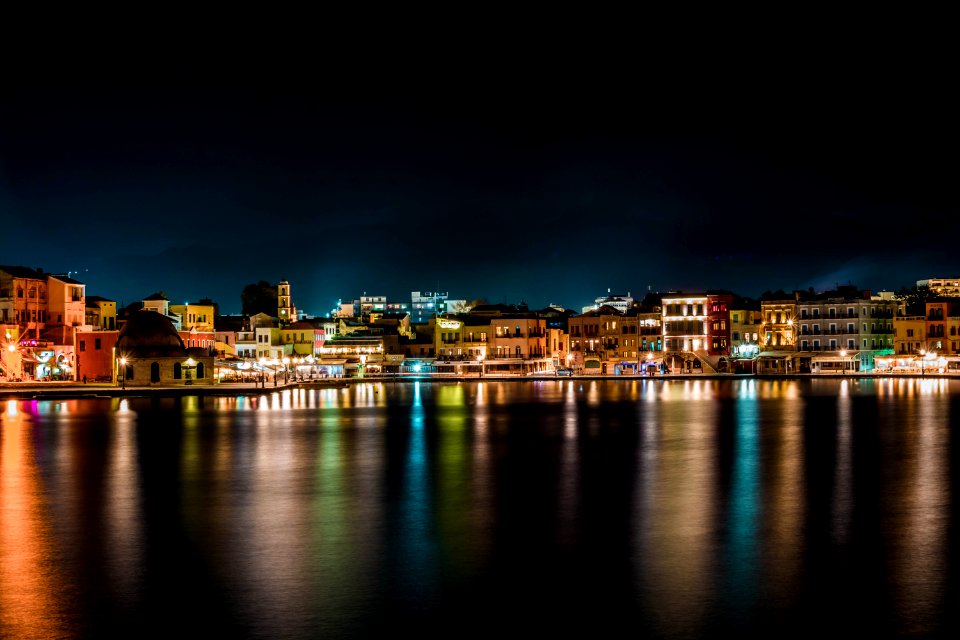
(148, 333)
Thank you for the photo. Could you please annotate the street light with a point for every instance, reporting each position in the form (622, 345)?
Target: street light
(123, 369)
(923, 356)
(480, 360)
(843, 362)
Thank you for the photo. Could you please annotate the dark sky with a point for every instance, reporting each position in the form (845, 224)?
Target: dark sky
(544, 175)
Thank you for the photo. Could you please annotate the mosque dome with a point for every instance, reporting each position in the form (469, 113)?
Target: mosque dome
(148, 333)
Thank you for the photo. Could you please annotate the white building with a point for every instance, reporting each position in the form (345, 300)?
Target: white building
(942, 286)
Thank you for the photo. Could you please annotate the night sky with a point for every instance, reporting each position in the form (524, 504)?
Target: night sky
(546, 175)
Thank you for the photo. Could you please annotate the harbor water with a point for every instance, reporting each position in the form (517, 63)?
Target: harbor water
(697, 508)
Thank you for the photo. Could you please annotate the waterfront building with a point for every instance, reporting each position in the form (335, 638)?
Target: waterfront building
(696, 330)
(586, 345)
(460, 342)
(909, 334)
(96, 356)
(360, 354)
(23, 299)
(304, 337)
(778, 330)
(745, 326)
(718, 325)
(149, 352)
(11, 358)
(941, 324)
(844, 329)
(517, 344)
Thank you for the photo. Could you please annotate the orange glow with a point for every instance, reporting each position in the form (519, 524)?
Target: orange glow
(29, 580)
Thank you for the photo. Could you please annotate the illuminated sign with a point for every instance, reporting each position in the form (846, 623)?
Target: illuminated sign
(450, 324)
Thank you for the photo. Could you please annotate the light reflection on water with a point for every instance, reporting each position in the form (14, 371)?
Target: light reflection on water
(690, 508)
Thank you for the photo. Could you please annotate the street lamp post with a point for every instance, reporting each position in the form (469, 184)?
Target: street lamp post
(923, 356)
(480, 360)
(123, 373)
(843, 362)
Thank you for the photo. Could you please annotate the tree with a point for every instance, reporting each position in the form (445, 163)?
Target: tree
(259, 298)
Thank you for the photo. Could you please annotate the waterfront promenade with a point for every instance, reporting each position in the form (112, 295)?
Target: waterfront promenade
(71, 389)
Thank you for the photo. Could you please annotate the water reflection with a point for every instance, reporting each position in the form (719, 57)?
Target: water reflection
(682, 508)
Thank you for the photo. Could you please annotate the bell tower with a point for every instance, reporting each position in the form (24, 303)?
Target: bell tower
(286, 312)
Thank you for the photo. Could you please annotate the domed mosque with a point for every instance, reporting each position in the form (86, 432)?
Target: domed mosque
(150, 352)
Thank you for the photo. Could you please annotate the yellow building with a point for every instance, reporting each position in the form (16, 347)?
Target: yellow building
(101, 313)
(778, 327)
(302, 337)
(909, 334)
(194, 315)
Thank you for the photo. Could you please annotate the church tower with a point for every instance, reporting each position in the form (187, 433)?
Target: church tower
(286, 312)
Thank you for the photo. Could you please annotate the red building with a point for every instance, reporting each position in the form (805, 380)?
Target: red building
(718, 323)
(95, 355)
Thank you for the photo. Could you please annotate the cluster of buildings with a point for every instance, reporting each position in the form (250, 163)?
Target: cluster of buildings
(51, 330)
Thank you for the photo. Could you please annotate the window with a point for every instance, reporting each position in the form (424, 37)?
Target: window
(96, 344)
(83, 345)
(154, 372)
(177, 370)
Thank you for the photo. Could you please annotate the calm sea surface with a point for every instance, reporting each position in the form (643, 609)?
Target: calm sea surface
(568, 508)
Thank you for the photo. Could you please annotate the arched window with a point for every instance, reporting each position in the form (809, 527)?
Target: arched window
(129, 372)
(199, 370)
(155, 372)
(177, 370)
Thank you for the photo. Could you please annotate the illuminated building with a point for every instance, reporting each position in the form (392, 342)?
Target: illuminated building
(286, 310)
(194, 315)
(101, 313)
(909, 334)
(777, 333)
(696, 330)
(154, 354)
(460, 342)
(517, 344)
(941, 286)
(942, 319)
(847, 320)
